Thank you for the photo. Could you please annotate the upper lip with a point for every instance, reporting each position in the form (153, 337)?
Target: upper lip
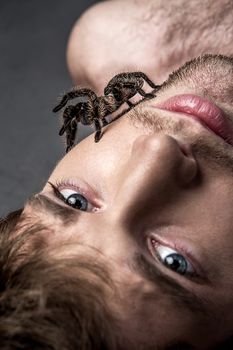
(210, 115)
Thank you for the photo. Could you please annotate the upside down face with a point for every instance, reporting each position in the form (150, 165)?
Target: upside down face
(154, 197)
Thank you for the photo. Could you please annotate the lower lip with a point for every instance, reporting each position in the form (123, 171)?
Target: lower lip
(205, 111)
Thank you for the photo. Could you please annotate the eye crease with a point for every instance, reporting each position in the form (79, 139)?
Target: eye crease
(72, 198)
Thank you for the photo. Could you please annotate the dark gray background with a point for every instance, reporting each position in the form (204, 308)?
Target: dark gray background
(33, 38)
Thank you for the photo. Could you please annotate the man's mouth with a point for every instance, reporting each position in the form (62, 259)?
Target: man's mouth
(206, 112)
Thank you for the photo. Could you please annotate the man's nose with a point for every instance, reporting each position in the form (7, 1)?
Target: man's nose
(158, 169)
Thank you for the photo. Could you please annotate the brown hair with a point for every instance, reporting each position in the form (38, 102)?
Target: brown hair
(50, 304)
(53, 304)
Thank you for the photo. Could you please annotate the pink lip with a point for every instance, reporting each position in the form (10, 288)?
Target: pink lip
(205, 111)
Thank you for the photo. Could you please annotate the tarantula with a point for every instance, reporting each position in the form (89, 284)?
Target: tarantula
(93, 109)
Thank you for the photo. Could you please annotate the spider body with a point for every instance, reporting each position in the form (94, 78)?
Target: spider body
(126, 85)
(93, 110)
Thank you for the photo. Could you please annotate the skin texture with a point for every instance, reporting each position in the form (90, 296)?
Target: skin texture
(158, 176)
(169, 180)
(152, 36)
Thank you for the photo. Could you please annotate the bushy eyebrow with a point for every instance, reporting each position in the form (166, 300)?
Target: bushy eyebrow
(59, 211)
(179, 294)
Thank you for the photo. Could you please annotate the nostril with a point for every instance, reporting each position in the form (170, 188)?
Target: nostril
(189, 167)
(185, 149)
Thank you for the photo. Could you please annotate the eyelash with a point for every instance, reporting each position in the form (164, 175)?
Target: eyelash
(153, 247)
(68, 185)
(154, 244)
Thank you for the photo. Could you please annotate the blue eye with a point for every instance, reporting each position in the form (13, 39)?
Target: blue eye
(74, 199)
(173, 260)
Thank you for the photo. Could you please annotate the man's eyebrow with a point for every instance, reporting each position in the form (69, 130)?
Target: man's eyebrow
(59, 211)
(182, 296)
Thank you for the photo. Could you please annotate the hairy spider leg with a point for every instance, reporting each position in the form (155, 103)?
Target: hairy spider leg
(148, 81)
(140, 91)
(104, 121)
(130, 104)
(69, 113)
(156, 89)
(118, 81)
(71, 134)
(122, 79)
(127, 110)
(98, 128)
(73, 94)
(145, 77)
(145, 94)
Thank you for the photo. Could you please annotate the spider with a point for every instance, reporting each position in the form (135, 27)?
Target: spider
(93, 109)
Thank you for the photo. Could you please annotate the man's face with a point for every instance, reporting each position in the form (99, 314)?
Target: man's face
(157, 202)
